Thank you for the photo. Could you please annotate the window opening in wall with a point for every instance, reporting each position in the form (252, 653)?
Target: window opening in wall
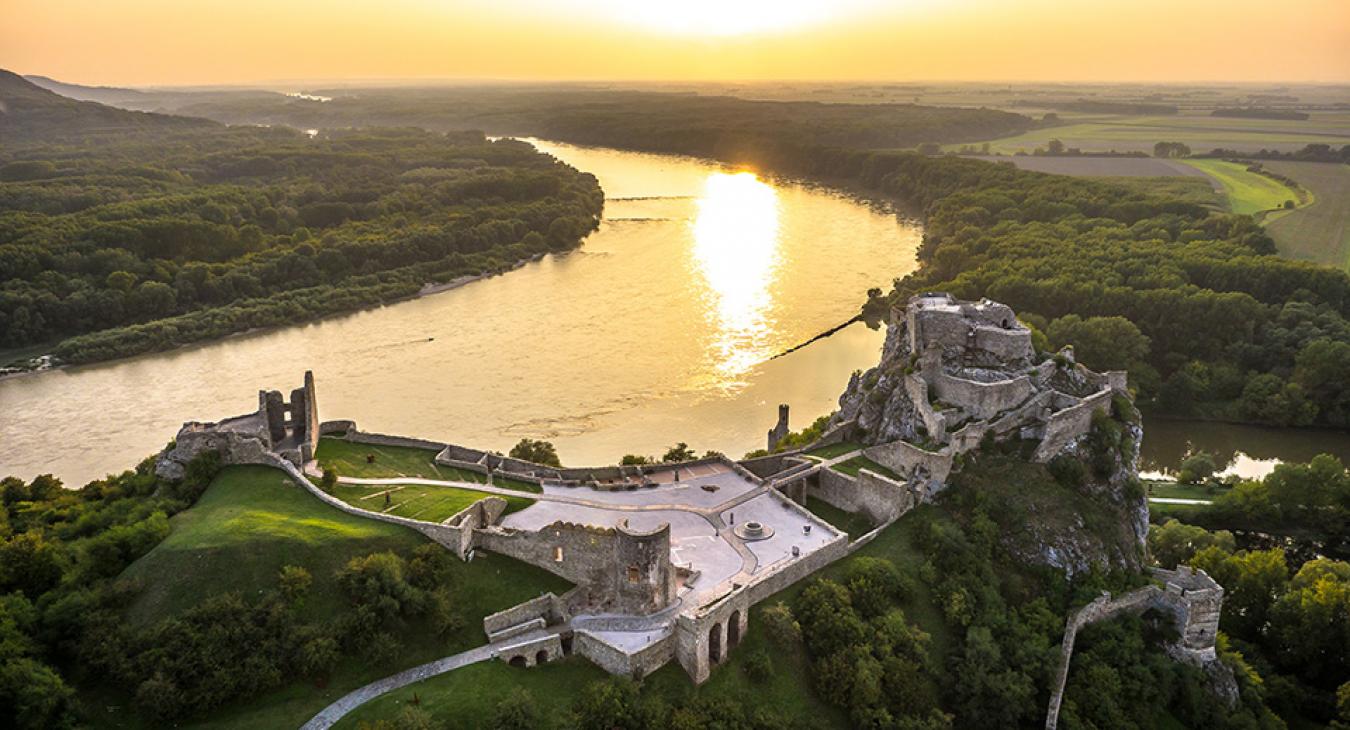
(633, 574)
(557, 554)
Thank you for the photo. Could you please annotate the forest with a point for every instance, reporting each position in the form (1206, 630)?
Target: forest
(142, 241)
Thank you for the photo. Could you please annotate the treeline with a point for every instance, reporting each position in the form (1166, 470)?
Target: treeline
(1309, 153)
(1095, 106)
(1253, 112)
(1290, 618)
(241, 228)
(63, 606)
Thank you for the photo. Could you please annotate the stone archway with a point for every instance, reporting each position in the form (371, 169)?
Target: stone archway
(517, 661)
(715, 644)
(734, 630)
(541, 657)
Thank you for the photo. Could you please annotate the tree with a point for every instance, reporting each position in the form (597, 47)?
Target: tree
(929, 148)
(1251, 580)
(516, 711)
(635, 460)
(1054, 147)
(679, 452)
(1269, 399)
(1310, 623)
(1196, 468)
(538, 452)
(1174, 543)
(329, 478)
(1101, 343)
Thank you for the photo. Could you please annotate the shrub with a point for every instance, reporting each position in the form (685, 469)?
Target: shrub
(757, 665)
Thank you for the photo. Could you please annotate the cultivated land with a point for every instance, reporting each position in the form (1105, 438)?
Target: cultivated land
(1087, 166)
(1201, 132)
(1320, 231)
(252, 521)
(1247, 192)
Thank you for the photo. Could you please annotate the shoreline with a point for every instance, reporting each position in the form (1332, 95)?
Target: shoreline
(426, 290)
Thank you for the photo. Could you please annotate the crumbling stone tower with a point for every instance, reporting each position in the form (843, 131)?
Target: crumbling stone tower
(779, 429)
(293, 425)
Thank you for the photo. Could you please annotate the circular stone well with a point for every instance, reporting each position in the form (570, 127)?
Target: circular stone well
(751, 531)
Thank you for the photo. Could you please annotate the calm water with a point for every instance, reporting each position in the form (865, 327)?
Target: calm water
(1248, 451)
(659, 329)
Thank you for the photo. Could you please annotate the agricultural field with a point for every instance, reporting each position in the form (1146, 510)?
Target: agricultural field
(1319, 231)
(1202, 133)
(1087, 166)
(1247, 192)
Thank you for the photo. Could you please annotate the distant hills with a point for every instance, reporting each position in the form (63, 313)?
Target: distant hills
(110, 95)
(30, 113)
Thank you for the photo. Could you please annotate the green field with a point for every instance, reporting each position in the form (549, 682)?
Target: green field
(860, 462)
(1320, 231)
(252, 521)
(350, 459)
(1247, 192)
(1173, 490)
(418, 501)
(1124, 133)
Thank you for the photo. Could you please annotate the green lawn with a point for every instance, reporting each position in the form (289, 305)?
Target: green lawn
(833, 450)
(418, 501)
(1173, 490)
(854, 524)
(1247, 192)
(350, 459)
(250, 522)
(467, 697)
(860, 462)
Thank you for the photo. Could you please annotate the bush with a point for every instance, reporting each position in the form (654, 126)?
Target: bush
(757, 665)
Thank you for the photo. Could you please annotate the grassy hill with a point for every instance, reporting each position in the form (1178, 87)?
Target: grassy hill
(250, 522)
(30, 113)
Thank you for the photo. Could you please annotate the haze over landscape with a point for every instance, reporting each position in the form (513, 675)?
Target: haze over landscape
(611, 365)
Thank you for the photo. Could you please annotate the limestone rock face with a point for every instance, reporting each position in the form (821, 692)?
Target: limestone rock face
(955, 375)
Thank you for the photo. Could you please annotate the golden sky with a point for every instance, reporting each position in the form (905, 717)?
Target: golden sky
(251, 41)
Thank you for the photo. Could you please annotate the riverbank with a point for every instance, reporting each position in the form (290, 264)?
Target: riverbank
(44, 362)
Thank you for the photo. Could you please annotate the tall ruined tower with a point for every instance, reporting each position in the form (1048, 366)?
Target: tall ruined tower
(780, 429)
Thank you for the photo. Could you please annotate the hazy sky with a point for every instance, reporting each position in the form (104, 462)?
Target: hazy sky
(243, 41)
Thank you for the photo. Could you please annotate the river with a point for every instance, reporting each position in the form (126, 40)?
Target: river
(660, 328)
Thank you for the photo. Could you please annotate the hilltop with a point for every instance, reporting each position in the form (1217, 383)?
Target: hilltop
(32, 114)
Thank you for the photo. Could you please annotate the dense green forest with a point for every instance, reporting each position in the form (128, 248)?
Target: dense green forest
(144, 241)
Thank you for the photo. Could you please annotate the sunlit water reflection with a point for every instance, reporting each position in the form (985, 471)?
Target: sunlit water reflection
(659, 329)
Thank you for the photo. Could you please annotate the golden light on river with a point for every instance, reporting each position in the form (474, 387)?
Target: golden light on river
(736, 253)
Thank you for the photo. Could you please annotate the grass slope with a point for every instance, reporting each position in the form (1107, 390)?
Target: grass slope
(249, 523)
(1320, 231)
(418, 501)
(1247, 192)
(350, 459)
(854, 524)
(858, 463)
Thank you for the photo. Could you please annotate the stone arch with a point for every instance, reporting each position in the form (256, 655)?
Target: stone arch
(566, 641)
(734, 630)
(518, 661)
(715, 644)
(541, 657)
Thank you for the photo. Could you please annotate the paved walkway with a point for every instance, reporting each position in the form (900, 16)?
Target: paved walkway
(354, 699)
(1178, 500)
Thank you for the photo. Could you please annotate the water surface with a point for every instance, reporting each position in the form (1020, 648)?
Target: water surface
(660, 328)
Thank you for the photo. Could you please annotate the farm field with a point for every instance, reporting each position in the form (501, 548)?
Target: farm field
(1320, 231)
(1087, 166)
(1201, 132)
(1247, 192)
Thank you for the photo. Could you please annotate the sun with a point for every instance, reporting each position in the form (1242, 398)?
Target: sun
(724, 18)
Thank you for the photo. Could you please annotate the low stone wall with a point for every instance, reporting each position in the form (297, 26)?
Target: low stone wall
(533, 652)
(548, 607)
(1066, 425)
(337, 428)
(615, 661)
(380, 439)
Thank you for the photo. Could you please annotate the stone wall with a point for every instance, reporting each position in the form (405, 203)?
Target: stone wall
(982, 400)
(533, 651)
(936, 423)
(1012, 343)
(547, 607)
(618, 662)
(879, 498)
(1066, 425)
(380, 439)
(705, 638)
(903, 458)
(767, 466)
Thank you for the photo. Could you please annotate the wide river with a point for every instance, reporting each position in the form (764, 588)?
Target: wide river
(659, 329)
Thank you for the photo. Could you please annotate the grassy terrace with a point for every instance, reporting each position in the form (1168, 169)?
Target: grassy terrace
(252, 521)
(349, 459)
(1173, 490)
(854, 524)
(833, 450)
(418, 501)
(860, 462)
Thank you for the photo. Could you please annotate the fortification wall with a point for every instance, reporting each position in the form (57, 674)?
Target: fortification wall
(547, 607)
(1009, 344)
(767, 466)
(903, 458)
(380, 439)
(917, 390)
(1066, 425)
(873, 495)
(615, 661)
(981, 400)
(340, 428)
(533, 652)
